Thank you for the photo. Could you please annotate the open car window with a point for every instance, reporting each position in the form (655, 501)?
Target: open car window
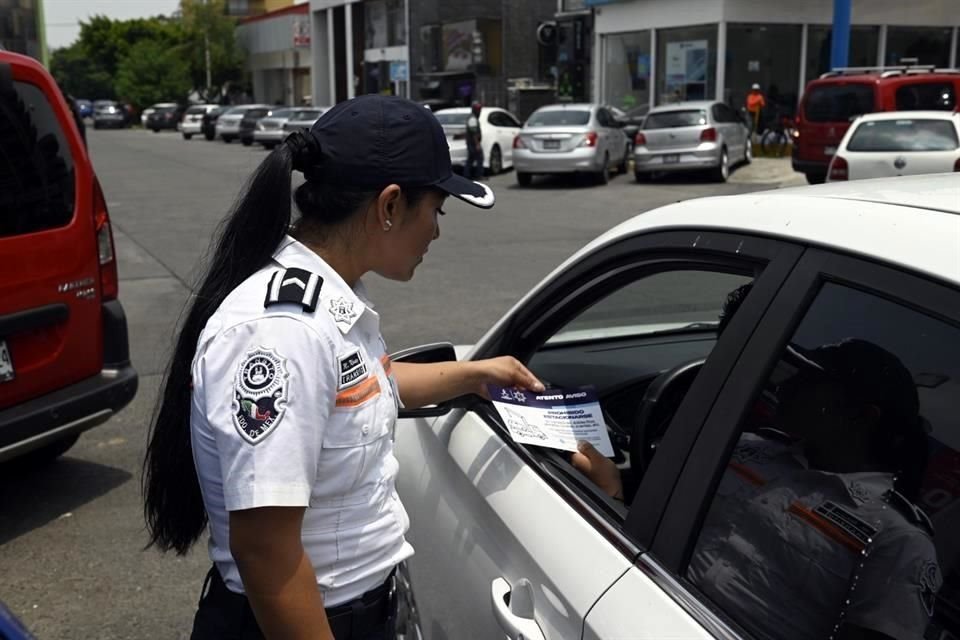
(641, 345)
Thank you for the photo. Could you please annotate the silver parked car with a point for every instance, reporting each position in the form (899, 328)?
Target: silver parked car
(228, 125)
(303, 119)
(570, 138)
(691, 136)
(269, 130)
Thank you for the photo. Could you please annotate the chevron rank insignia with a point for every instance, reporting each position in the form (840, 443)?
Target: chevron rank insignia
(294, 286)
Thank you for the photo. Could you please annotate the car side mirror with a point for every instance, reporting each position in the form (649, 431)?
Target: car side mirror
(426, 354)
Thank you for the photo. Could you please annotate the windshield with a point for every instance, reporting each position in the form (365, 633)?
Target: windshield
(674, 119)
(236, 111)
(559, 118)
(282, 113)
(307, 114)
(195, 110)
(838, 102)
(904, 134)
(452, 118)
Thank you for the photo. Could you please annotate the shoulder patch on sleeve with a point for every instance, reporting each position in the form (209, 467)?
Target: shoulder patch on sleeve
(260, 394)
(294, 286)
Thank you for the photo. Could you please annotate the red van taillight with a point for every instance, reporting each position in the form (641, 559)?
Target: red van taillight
(518, 143)
(839, 169)
(109, 280)
(708, 135)
(590, 139)
(640, 139)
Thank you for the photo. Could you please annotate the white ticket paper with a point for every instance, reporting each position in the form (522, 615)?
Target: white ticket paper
(555, 418)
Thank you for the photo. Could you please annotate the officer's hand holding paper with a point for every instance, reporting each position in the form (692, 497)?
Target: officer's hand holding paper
(555, 418)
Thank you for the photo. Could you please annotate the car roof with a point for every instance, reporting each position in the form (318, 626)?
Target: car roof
(572, 105)
(683, 106)
(912, 115)
(872, 218)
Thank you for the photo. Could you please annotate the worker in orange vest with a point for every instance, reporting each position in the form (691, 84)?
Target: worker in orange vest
(755, 104)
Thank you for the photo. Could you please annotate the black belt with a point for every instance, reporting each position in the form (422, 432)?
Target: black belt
(355, 619)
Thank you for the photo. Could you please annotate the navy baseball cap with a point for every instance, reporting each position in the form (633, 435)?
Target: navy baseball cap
(373, 140)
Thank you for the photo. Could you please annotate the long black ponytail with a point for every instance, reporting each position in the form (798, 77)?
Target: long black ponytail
(245, 241)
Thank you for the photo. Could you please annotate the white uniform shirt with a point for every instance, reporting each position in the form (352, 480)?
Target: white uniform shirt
(297, 408)
(793, 552)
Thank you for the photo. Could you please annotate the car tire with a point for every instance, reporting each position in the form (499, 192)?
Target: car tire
(496, 160)
(187, 136)
(524, 179)
(748, 152)
(603, 177)
(816, 178)
(722, 172)
(228, 140)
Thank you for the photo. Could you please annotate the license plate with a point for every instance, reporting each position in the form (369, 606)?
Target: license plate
(6, 363)
(829, 151)
(672, 158)
(551, 144)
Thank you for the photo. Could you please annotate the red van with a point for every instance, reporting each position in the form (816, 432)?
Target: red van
(64, 356)
(830, 104)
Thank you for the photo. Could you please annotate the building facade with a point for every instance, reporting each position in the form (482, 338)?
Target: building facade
(652, 52)
(22, 28)
(278, 55)
(440, 52)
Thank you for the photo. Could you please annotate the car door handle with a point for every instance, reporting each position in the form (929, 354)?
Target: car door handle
(513, 609)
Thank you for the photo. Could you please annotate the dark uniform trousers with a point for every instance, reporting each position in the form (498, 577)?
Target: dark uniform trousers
(225, 615)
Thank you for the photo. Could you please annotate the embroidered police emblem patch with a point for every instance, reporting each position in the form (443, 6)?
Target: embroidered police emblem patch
(260, 394)
(342, 310)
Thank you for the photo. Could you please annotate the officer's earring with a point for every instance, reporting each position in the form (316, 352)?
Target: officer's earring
(387, 224)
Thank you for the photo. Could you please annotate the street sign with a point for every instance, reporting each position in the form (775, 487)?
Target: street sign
(399, 71)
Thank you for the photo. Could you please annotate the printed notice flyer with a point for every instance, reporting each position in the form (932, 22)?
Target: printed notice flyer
(555, 418)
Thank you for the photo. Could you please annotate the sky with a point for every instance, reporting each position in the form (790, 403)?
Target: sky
(63, 16)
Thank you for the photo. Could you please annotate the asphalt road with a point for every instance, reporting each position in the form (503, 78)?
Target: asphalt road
(72, 556)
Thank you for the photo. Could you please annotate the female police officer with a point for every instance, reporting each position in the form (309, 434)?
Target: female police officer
(276, 413)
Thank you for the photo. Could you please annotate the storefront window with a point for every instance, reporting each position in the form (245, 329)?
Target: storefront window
(929, 45)
(626, 79)
(385, 24)
(863, 48)
(686, 64)
(768, 55)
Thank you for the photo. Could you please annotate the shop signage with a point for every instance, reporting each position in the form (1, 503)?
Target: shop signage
(301, 32)
(399, 71)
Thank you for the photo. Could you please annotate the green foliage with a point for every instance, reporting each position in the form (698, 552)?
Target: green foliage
(150, 72)
(149, 60)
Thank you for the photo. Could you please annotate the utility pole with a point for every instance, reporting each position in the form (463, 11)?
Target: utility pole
(206, 46)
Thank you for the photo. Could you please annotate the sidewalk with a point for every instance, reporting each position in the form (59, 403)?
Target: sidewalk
(771, 171)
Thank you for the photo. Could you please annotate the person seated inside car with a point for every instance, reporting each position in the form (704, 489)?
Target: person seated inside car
(813, 532)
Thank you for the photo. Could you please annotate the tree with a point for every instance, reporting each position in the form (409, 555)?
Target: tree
(206, 26)
(151, 72)
(77, 76)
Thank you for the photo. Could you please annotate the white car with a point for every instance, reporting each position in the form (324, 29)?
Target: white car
(752, 510)
(192, 121)
(498, 128)
(228, 125)
(898, 143)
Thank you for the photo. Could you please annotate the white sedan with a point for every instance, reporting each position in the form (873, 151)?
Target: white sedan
(498, 128)
(779, 375)
(898, 143)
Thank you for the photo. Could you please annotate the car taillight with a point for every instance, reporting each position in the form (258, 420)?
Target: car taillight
(518, 143)
(708, 135)
(839, 169)
(589, 139)
(956, 165)
(109, 280)
(640, 139)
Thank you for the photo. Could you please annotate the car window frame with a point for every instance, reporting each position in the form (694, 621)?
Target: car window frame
(676, 537)
(529, 324)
